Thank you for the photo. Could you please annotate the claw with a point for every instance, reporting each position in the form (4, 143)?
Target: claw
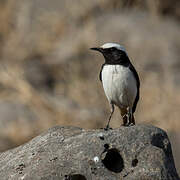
(131, 124)
(107, 128)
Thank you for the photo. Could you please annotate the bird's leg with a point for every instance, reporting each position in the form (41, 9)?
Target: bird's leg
(125, 120)
(132, 120)
(124, 116)
(112, 111)
(130, 117)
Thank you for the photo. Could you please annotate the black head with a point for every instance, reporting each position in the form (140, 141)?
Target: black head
(113, 53)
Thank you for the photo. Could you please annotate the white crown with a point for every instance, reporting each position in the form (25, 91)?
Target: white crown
(110, 45)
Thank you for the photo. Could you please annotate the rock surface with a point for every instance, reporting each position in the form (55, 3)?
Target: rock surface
(69, 153)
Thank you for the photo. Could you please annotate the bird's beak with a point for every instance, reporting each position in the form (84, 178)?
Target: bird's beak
(97, 49)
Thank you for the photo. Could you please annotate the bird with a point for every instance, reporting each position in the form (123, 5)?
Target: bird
(120, 81)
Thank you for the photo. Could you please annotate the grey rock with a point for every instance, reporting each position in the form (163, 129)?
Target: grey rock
(137, 152)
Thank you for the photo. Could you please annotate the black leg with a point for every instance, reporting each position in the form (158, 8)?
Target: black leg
(125, 120)
(130, 117)
(112, 111)
(133, 120)
(127, 117)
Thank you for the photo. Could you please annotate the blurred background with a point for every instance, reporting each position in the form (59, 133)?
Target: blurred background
(48, 75)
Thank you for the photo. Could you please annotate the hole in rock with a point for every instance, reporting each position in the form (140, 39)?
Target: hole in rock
(113, 161)
(77, 177)
(161, 141)
(106, 146)
(157, 140)
(101, 137)
(134, 162)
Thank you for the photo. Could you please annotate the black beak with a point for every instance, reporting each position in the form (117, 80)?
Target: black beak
(97, 49)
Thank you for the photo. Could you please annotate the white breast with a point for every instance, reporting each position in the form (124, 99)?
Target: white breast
(119, 85)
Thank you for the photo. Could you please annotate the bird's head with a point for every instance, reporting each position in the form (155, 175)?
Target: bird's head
(113, 53)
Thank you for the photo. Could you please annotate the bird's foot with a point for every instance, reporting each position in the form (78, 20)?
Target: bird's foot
(127, 121)
(107, 128)
(125, 125)
(130, 124)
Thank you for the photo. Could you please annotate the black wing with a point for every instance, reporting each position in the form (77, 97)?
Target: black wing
(100, 74)
(131, 67)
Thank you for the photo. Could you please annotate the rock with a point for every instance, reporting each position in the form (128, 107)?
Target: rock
(70, 153)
